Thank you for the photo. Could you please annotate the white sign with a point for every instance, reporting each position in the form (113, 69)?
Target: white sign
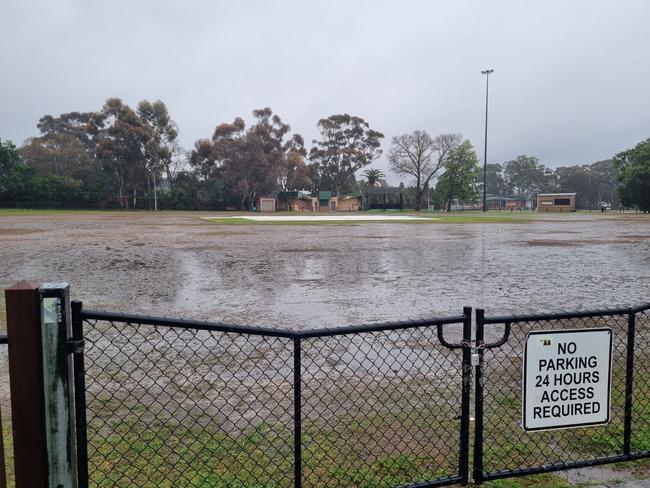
(567, 377)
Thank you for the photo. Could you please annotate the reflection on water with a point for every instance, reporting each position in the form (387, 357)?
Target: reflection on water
(302, 276)
(386, 272)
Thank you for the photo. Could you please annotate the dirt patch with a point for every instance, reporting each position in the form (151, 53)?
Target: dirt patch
(636, 236)
(16, 232)
(578, 242)
(550, 242)
(227, 234)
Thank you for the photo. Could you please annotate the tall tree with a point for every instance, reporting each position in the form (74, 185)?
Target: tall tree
(160, 148)
(525, 176)
(461, 176)
(634, 176)
(84, 126)
(293, 172)
(122, 145)
(9, 159)
(496, 182)
(421, 157)
(347, 145)
(58, 153)
(251, 162)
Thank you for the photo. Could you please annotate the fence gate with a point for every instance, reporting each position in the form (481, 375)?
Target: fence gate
(502, 448)
(165, 402)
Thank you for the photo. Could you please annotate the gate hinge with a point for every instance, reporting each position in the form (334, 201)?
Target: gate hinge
(75, 346)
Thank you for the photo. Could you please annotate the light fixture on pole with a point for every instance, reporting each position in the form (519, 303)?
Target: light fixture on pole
(485, 72)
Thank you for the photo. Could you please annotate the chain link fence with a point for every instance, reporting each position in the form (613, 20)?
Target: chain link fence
(503, 449)
(177, 403)
(166, 403)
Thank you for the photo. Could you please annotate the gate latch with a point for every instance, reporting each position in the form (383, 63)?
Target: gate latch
(75, 346)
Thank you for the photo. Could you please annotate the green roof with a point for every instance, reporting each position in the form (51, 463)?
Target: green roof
(324, 195)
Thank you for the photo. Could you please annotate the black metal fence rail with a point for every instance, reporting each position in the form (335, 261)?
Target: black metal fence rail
(188, 403)
(503, 449)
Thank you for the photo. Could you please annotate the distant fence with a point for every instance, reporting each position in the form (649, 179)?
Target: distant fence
(168, 402)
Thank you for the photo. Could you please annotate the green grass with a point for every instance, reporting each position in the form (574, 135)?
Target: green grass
(426, 219)
(546, 480)
(186, 454)
(29, 211)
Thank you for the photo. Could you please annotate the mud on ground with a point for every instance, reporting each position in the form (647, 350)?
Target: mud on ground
(175, 264)
(301, 276)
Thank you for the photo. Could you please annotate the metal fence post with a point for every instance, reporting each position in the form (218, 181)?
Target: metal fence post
(478, 413)
(26, 384)
(80, 394)
(297, 414)
(56, 330)
(463, 459)
(629, 383)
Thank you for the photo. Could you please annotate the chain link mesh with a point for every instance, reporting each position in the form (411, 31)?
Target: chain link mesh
(172, 407)
(506, 447)
(381, 409)
(178, 407)
(640, 435)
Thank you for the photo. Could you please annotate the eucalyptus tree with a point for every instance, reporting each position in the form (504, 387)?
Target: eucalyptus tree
(347, 144)
(160, 148)
(122, 148)
(252, 161)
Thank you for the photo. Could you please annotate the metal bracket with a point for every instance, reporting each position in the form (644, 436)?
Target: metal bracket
(75, 346)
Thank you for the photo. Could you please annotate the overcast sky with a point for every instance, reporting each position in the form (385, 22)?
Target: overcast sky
(571, 82)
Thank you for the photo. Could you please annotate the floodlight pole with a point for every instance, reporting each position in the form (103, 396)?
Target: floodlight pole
(485, 72)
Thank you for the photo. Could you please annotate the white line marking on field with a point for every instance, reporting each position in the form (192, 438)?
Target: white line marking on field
(324, 218)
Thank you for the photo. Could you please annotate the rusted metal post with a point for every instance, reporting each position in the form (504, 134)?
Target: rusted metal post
(38, 327)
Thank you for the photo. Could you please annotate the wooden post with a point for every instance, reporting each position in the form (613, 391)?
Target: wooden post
(3, 470)
(38, 326)
(26, 384)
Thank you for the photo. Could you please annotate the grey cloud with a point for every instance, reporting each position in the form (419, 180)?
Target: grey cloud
(570, 81)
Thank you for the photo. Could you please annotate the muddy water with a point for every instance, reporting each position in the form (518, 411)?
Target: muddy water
(302, 276)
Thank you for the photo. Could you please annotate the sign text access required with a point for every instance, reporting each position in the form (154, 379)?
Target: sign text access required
(567, 376)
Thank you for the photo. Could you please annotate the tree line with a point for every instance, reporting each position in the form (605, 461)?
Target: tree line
(129, 158)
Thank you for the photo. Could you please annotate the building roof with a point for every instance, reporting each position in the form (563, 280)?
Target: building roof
(555, 194)
(324, 195)
(347, 196)
(286, 195)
